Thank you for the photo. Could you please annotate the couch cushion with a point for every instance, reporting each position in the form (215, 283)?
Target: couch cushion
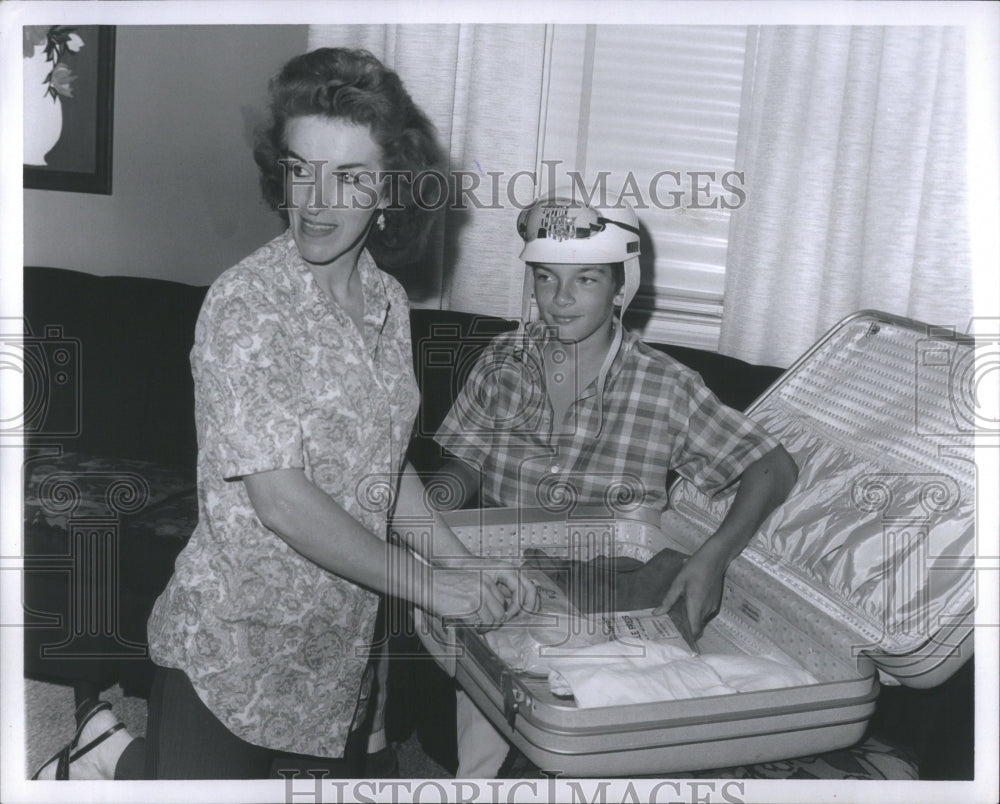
(735, 382)
(100, 538)
(60, 486)
(128, 391)
(152, 509)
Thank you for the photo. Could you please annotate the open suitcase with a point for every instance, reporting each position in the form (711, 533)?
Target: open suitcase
(865, 570)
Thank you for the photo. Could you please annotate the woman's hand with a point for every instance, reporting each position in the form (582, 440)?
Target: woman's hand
(483, 598)
(520, 593)
(469, 596)
(699, 582)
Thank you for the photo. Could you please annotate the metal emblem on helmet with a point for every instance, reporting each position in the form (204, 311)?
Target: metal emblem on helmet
(557, 223)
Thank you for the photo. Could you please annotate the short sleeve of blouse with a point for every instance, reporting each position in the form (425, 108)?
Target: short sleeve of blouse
(244, 370)
(719, 442)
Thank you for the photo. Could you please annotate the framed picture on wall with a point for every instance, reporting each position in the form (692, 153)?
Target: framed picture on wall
(69, 73)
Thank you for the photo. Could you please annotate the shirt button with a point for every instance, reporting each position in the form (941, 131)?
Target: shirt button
(554, 469)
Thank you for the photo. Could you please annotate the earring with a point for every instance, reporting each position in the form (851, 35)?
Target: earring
(380, 221)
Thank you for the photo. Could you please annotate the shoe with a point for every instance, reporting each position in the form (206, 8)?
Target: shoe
(98, 727)
(83, 709)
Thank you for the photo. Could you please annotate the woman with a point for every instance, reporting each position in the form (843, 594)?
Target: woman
(304, 400)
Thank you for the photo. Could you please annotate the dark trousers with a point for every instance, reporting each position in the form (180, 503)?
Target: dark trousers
(184, 740)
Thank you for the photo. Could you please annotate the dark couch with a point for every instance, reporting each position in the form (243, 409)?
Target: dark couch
(109, 478)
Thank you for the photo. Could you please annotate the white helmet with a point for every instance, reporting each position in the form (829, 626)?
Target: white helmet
(560, 229)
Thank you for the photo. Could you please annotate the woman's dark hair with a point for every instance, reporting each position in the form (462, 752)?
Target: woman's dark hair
(353, 85)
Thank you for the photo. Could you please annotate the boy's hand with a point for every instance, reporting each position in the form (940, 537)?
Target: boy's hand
(763, 486)
(699, 582)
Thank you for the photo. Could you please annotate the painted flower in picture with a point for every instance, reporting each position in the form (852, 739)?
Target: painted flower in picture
(48, 82)
(56, 40)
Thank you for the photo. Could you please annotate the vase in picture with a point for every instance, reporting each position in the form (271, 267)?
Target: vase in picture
(43, 117)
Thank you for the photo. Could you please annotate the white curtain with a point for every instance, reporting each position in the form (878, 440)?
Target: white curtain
(853, 145)
(481, 86)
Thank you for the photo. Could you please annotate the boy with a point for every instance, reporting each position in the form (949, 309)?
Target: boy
(574, 404)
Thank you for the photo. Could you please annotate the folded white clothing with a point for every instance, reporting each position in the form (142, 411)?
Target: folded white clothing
(751, 673)
(531, 643)
(595, 676)
(582, 657)
(556, 628)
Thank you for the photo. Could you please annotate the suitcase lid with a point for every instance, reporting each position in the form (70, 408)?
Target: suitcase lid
(878, 532)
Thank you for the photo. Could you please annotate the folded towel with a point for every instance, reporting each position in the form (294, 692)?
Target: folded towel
(581, 655)
(595, 676)
(556, 628)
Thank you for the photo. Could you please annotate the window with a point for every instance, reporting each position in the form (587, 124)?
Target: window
(655, 109)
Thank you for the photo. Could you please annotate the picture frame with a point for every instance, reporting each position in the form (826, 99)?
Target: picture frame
(81, 82)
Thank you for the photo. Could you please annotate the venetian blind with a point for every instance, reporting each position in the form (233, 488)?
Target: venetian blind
(656, 110)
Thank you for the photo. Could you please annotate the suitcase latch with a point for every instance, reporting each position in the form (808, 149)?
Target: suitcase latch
(513, 697)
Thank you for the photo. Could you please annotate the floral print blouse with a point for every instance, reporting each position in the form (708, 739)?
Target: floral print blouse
(276, 646)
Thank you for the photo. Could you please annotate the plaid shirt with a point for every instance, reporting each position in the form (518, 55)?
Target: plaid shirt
(654, 415)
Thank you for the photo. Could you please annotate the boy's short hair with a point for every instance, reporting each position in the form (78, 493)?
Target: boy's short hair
(618, 275)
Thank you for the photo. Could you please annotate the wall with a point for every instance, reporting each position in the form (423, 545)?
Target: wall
(185, 203)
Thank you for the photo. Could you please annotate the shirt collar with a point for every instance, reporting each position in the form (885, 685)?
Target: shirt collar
(372, 282)
(373, 286)
(537, 334)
